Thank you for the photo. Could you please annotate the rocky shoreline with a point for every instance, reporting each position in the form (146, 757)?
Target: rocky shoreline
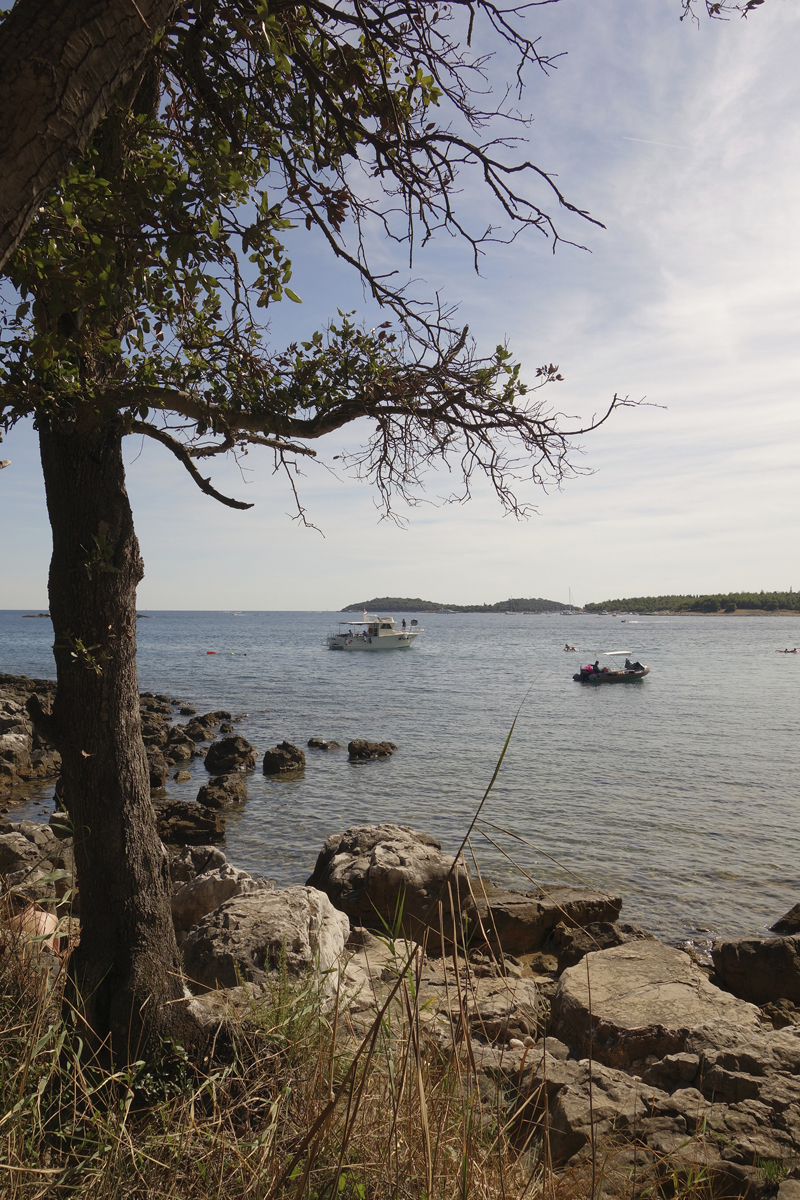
(581, 1027)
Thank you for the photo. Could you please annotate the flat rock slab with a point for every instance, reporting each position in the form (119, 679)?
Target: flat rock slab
(646, 998)
(520, 922)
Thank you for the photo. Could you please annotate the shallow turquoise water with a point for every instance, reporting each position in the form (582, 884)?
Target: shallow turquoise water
(680, 791)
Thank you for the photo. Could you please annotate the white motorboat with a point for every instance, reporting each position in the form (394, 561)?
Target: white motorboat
(374, 633)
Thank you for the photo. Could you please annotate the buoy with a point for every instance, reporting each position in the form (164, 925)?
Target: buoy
(211, 652)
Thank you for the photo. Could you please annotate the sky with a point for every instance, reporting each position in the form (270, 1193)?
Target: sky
(685, 143)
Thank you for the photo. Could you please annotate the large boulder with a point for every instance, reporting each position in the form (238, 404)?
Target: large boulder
(283, 758)
(760, 969)
(225, 791)
(201, 895)
(360, 751)
(637, 1000)
(247, 937)
(185, 823)
(521, 922)
(390, 877)
(230, 754)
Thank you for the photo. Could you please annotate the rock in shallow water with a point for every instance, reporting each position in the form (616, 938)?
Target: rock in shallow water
(230, 754)
(226, 791)
(186, 823)
(360, 751)
(283, 758)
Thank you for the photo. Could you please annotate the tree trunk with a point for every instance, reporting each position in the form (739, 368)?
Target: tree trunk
(64, 61)
(127, 967)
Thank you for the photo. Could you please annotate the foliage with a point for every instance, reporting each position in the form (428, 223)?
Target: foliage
(729, 601)
(141, 289)
(399, 604)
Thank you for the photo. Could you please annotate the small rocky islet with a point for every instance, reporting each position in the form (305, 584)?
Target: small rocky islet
(569, 1018)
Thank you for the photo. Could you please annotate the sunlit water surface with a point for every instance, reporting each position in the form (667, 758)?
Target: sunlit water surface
(680, 792)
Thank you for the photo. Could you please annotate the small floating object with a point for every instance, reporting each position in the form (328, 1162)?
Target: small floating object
(211, 652)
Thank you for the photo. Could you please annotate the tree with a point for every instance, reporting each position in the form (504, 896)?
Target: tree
(64, 61)
(139, 292)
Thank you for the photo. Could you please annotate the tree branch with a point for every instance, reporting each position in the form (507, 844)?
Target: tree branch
(182, 455)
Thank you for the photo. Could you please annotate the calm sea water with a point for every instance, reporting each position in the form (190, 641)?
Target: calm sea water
(681, 792)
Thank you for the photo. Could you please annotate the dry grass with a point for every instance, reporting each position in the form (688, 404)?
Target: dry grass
(292, 1105)
(409, 1121)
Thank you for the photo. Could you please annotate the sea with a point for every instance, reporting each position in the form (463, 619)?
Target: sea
(681, 792)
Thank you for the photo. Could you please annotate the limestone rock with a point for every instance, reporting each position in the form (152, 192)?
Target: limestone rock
(192, 861)
(359, 750)
(520, 922)
(24, 754)
(201, 895)
(316, 743)
(383, 875)
(283, 758)
(230, 754)
(249, 936)
(17, 853)
(645, 1000)
(24, 866)
(760, 969)
(225, 791)
(184, 822)
(499, 1009)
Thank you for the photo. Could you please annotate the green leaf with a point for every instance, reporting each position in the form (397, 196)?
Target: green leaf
(292, 295)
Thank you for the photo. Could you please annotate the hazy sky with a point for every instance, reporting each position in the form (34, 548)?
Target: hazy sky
(686, 144)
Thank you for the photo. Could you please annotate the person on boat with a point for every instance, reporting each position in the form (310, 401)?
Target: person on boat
(404, 622)
(628, 665)
(596, 667)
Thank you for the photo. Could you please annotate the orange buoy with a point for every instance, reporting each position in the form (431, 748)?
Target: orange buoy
(211, 652)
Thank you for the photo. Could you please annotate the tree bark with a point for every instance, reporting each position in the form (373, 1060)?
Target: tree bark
(63, 63)
(125, 976)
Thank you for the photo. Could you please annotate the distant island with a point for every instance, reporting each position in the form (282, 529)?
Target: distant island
(386, 604)
(728, 602)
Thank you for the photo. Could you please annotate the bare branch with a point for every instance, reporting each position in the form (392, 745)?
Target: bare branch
(182, 455)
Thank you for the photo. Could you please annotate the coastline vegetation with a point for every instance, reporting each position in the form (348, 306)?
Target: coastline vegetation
(405, 604)
(714, 602)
